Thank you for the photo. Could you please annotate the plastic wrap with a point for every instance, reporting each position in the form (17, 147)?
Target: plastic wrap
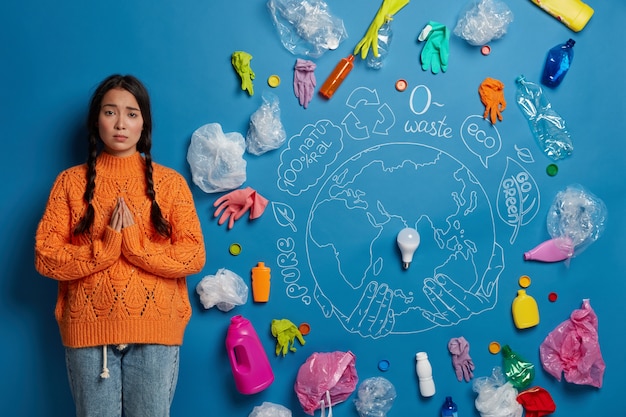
(375, 397)
(216, 159)
(483, 21)
(496, 396)
(266, 131)
(306, 27)
(268, 409)
(225, 290)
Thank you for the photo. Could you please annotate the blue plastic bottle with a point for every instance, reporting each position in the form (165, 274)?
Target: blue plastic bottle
(449, 409)
(557, 63)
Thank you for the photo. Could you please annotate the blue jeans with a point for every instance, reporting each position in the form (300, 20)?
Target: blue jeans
(141, 382)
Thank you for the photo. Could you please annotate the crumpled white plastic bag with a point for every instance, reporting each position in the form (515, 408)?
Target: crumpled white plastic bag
(268, 409)
(216, 159)
(483, 21)
(266, 131)
(225, 290)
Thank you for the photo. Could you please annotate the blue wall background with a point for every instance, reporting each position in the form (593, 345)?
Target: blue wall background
(55, 53)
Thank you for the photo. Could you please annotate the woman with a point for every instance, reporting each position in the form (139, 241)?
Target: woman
(119, 234)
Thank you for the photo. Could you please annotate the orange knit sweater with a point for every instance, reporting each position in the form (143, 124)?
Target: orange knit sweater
(120, 287)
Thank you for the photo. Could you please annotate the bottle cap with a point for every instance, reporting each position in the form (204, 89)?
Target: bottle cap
(552, 297)
(494, 347)
(235, 249)
(304, 328)
(273, 81)
(383, 365)
(552, 170)
(485, 50)
(401, 85)
(524, 281)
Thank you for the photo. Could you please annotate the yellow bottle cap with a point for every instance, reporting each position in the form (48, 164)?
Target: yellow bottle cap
(273, 81)
(494, 347)
(524, 281)
(235, 249)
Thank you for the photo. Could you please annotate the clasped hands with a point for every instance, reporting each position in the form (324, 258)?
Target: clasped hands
(122, 216)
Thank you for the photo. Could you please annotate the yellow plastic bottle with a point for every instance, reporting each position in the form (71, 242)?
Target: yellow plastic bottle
(525, 310)
(572, 13)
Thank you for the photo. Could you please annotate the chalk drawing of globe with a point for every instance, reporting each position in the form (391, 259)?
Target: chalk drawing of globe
(351, 242)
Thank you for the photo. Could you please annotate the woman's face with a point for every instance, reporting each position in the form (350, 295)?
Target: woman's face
(120, 122)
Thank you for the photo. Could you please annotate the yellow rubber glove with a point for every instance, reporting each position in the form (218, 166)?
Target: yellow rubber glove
(285, 333)
(385, 12)
(241, 63)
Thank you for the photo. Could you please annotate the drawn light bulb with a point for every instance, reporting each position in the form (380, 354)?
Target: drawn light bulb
(408, 240)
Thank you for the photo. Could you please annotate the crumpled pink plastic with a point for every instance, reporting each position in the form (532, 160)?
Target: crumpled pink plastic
(573, 349)
(334, 372)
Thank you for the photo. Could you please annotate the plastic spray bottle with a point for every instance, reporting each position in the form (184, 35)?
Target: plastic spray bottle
(557, 64)
(336, 77)
(248, 361)
(572, 13)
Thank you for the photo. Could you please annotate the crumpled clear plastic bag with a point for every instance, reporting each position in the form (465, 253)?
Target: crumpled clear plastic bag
(578, 215)
(306, 27)
(266, 131)
(268, 409)
(483, 21)
(216, 159)
(573, 349)
(225, 290)
(375, 397)
(324, 379)
(496, 396)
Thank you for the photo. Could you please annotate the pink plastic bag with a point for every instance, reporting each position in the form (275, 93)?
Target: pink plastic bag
(323, 377)
(573, 349)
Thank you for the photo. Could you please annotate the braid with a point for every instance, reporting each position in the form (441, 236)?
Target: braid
(161, 225)
(85, 223)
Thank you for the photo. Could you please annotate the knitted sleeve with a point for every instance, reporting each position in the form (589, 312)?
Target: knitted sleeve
(181, 255)
(59, 254)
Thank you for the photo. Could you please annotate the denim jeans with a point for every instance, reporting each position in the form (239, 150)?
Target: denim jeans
(141, 383)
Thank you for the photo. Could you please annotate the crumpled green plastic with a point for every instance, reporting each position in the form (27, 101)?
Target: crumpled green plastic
(386, 11)
(519, 372)
(286, 334)
(241, 63)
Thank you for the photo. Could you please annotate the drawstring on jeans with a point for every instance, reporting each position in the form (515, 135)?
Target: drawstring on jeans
(330, 406)
(105, 370)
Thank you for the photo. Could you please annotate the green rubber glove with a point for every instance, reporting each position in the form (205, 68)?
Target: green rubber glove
(241, 63)
(285, 333)
(437, 48)
(385, 13)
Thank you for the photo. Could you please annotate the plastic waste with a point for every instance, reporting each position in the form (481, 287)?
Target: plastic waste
(249, 363)
(240, 61)
(324, 379)
(385, 35)
(491, 92)
(461, 360)
(558, 63)
(546, 125)
(261, 276)
(518, 371)
(337, 76)
(235, 204)
(424, 374)
(225, 290)
(572, 349)
(304, 81)
(306, 27)
(483, 21)
(268, 409)
(572, 13)
(216, 159)
(525, 310)
(375, 397)
(436, 50)
(449, 408)
(286, 334)
(537, 402)
(496, 396)
(552, 250)
(266, 131)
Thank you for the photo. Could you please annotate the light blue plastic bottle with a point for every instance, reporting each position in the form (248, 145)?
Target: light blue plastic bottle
(449, 408)
(558, 63)
(385, 34)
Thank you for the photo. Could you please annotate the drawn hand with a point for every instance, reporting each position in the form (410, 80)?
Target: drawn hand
(373, 315)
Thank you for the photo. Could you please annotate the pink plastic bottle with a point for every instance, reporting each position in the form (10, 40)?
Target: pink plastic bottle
(248, 360)
(553, 250)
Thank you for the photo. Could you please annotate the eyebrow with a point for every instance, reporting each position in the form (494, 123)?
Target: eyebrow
(115, 105)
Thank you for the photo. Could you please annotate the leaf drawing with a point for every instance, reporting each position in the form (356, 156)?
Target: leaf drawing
(518, 197)
(524, 155)
(284, 215)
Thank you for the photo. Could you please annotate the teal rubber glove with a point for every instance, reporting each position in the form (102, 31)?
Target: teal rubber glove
(386, 11)
(437, 48)
(241, 63)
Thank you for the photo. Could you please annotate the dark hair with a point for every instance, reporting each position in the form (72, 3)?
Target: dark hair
(137, 89)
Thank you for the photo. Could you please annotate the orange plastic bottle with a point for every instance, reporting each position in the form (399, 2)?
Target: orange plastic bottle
(336, 77)
(261, 283)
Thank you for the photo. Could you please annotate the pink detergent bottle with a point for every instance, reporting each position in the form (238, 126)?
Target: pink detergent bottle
(553, 250)
(248, 360)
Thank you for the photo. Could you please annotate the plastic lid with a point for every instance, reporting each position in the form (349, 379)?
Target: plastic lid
(524, 281)
(494, 347)
(304, 328)
(383, 365)
(235, 249)
(552, 170)
(485, 50)
(552, 297)
(273, 80)
(401, 85)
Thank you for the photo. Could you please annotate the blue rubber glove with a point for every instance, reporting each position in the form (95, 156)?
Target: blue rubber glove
(437, 48)
(304, 81)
